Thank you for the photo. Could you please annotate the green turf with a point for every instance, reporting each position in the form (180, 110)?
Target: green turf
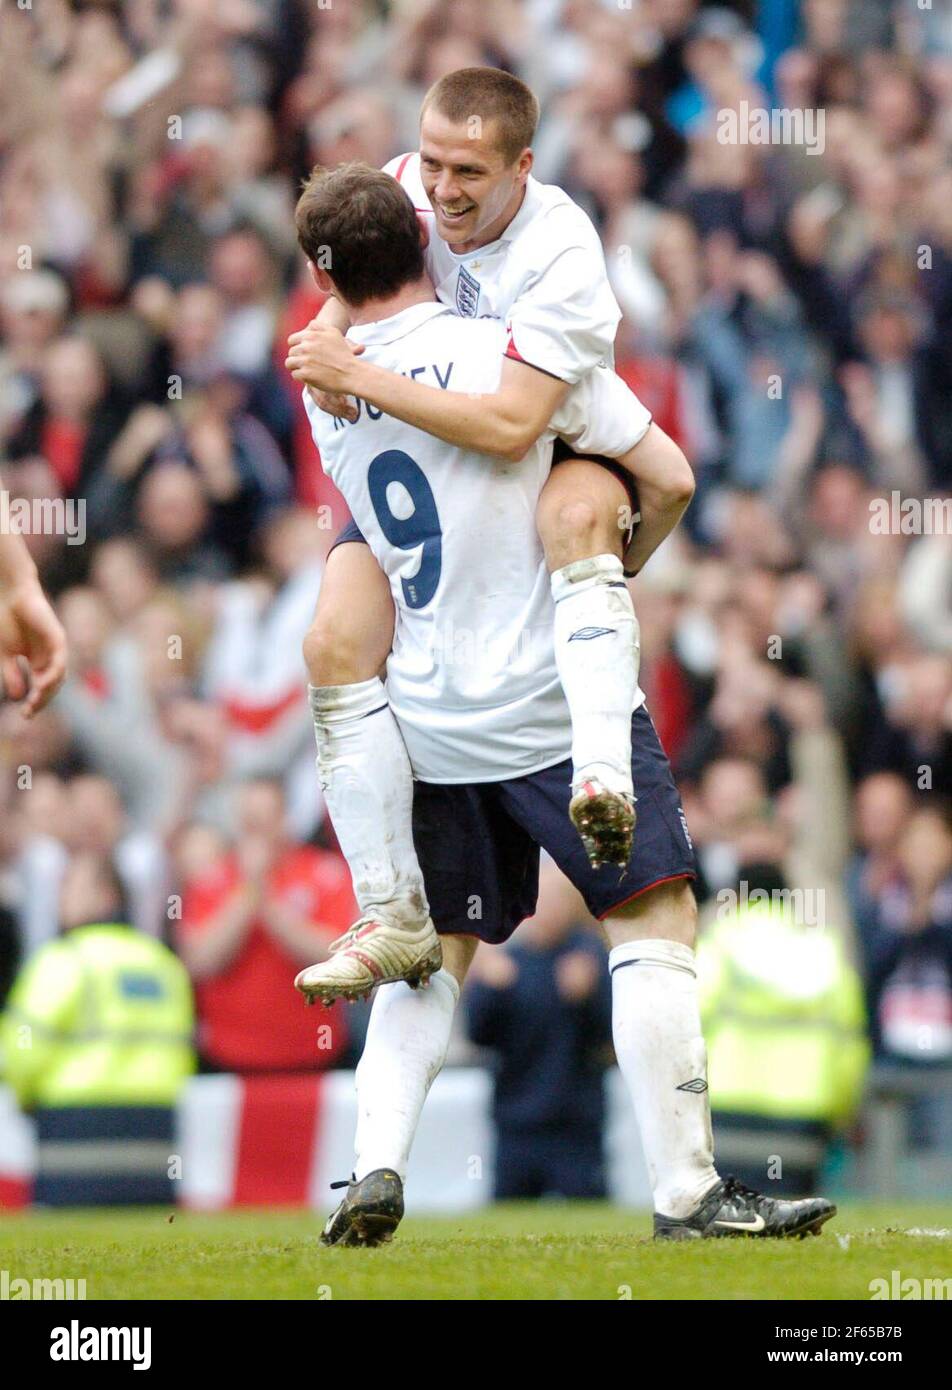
(523, 1251)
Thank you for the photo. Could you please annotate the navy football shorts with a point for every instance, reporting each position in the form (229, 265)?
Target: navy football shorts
(478, 843)
(350, 532)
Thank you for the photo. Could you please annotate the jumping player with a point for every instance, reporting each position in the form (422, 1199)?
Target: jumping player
(504, 246)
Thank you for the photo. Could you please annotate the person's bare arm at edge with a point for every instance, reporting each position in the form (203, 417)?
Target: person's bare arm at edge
(30, 632)
(504, 423)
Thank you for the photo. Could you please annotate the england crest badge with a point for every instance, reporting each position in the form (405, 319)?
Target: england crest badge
(467, 294)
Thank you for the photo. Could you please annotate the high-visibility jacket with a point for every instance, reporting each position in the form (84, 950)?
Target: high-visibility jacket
(783, 1016)
(103, 1016)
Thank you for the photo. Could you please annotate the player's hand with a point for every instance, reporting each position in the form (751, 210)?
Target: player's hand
(321, 356)
(32, 647)
(332, 403)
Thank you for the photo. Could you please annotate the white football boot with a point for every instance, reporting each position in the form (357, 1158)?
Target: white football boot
(379, 949)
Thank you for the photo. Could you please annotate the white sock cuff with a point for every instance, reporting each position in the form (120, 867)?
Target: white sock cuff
(335, 703)
(585, 574)
(445, 977)
(652, 951)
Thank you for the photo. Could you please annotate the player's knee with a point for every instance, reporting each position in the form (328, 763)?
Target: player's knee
(573, 528)
(331, 654)
(668, 911)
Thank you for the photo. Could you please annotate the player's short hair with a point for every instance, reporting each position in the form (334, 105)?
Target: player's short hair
(359, 225)
(492, 95)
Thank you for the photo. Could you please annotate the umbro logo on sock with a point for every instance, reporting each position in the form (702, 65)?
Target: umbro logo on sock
(696, 1087)
(585, 634)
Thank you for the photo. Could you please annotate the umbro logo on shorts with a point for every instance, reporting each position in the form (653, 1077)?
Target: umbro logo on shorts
(585, 634)
(697, 1087)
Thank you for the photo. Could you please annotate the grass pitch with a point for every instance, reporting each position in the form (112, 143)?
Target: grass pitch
(511, 1251)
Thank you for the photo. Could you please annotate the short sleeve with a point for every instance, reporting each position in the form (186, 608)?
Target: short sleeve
(564, 321)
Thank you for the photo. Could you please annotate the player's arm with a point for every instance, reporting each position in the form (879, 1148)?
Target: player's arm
(665, 483)
(504, 423)
(332, 314)
(29, 629)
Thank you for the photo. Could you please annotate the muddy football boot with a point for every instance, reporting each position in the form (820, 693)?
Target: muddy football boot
(378, 949)
(606, 822)
(371, 1211)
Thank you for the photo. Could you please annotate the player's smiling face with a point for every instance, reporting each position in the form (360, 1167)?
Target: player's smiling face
(474, 191)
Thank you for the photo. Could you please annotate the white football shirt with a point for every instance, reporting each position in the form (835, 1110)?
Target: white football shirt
(472, 677)
(545, 278)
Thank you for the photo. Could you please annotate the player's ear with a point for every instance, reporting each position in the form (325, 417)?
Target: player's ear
(321, 278)
(525, 163)
(424, 231)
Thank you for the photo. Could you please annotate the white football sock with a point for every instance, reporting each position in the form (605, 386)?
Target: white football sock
(368, 785)
(660, 1049)
(597, 651)
(406, 1046)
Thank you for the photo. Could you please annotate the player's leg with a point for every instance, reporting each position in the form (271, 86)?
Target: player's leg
(660, 1049)
(407, 1039)
(481, 876)
(405, 1049)
(580, 520)
(367, 783)
(650, 920)
(659, 1045)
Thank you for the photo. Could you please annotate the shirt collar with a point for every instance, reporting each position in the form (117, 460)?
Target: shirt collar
(397, 325)
(527, 210)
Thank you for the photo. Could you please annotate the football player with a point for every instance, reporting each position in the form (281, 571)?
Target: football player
(486, 725)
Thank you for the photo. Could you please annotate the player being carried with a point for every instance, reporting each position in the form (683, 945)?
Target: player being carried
(489, 740)
(501, 245)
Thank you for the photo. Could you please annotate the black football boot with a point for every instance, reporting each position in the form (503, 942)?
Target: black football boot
(731, 1209)
(371, 1211)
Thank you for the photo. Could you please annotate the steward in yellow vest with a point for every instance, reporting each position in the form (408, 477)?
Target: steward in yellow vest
(96, 1041)
(783, 1017)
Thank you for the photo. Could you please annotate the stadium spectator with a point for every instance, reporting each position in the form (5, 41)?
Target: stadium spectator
(250, 919)
(76, 416)
(782, 1009)
(907, 942)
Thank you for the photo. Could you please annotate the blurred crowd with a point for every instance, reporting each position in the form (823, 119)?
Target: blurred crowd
(787, 319)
